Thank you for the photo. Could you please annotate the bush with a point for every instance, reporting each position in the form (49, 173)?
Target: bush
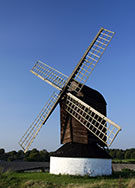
(126, 170)
(119, 154)
(133, 155)
(127, 154)
(2, 153)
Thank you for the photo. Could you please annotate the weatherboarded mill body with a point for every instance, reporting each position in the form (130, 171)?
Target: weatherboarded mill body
(71, 130)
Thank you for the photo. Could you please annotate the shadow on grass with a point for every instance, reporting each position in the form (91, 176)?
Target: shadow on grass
(125, 173)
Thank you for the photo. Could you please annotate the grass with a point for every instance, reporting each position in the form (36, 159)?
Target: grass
(125, 179)
(129, 161)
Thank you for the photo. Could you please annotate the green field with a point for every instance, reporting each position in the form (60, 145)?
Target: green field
(46, 180)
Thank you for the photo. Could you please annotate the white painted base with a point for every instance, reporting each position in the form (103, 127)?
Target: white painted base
(80, 166)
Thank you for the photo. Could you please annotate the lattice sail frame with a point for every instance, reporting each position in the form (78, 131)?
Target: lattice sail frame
(37, 124)
(101, 126)
(49, 74)
(63, 83)
(90, 59)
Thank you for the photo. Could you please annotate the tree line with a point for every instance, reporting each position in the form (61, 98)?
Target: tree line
(122, 154)
(31, 155)
(44, 155)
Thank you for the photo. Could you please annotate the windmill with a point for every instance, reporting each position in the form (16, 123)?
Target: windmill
(83, 119)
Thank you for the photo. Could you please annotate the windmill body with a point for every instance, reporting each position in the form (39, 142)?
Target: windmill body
(81, 151)
(71, 129)
(85, 129)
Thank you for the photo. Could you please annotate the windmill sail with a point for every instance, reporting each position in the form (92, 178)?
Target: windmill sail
(49, 74)
(90, 58)
(83, 69)
(102, 127)
(35, 127)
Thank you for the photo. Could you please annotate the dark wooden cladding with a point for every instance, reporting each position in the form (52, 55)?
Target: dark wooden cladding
(71, 130)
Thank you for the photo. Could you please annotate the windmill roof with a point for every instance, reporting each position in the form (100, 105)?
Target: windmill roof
(94, 94)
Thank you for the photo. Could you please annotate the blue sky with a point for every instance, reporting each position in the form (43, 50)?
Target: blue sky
(58, 33)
